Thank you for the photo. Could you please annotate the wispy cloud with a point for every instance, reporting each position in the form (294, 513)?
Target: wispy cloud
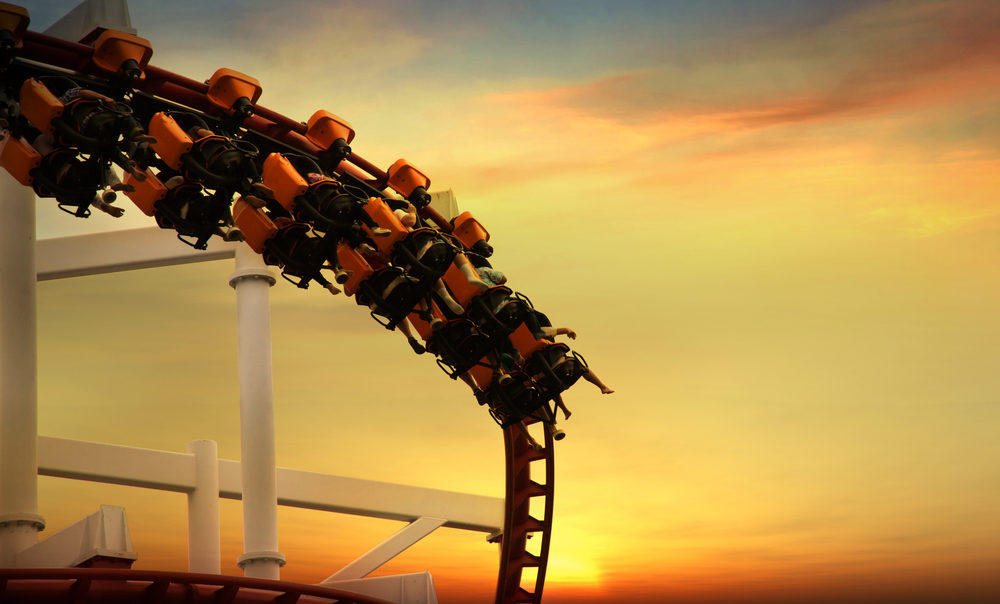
(884, 58)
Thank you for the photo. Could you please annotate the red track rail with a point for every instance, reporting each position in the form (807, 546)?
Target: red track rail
(111, 585)
(521, 489)
(519, 524)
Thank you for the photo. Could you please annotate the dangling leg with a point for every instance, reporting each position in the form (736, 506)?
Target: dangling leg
(463, 264)
(591, 377)
(560, 405)
(445, 296)
(424, 306)
(531, 441)
(550, 424)
(407, 330)
(102, 199)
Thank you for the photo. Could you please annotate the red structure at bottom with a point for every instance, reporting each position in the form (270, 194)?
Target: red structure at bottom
(118, 586)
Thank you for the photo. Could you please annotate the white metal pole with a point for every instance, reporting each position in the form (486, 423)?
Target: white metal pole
(19, 519)
(252, 281)
(204, 532)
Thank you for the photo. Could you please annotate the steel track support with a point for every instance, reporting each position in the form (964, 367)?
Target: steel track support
(252, 282)
(19, 519)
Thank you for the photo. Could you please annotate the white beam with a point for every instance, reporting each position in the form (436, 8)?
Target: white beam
(387, 550)
(310, 490)
(115, 464)
(170, 471)
(115, 251)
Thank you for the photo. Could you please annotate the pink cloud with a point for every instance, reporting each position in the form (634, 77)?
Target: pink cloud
(889, 58)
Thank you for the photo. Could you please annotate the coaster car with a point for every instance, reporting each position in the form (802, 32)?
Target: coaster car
(184, 206)
(552, 366)
(235, 94)
(472, 234)
(13, 23)
(59, 173)
(424, 251)
(496, 311)
(92, 123)
(73, 182)
(392, 295)
(458, 344)
(409, 182)
(323, 202)
(216, 161)
(333, 135)
(19, 158)
(511, 396)
(283, 242)
(122, 54)
(555, 368)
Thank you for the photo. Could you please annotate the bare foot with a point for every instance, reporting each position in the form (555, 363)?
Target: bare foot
(333, 289)
(606, 390)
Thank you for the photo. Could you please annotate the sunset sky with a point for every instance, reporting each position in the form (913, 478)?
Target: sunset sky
(774, 226)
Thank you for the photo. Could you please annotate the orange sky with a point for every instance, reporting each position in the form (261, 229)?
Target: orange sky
(773, 225)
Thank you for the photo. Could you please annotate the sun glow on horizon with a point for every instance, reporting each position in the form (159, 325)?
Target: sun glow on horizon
(574, 570)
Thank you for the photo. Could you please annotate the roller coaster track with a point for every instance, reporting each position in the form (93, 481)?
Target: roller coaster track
(46, 54)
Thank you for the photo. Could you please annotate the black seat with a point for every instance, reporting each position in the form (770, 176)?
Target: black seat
(394, 294)
(460, 345)
(554, 368)
(194, 215)
(513, 397)
(300, 255)
(424, 253)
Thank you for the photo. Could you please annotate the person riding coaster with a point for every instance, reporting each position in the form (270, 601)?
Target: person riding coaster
(78, 137)
(186, 144)
(511, 395)
(185, 206)
(457, 343)
(423, 252)
(309, 195)
(285, 243)
(321, 201)
(87, 120)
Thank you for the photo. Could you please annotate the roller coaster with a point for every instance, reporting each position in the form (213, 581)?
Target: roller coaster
(84, 122)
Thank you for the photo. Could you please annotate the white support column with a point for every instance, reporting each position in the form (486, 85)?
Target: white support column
(19, 519)
(204, 531)
(252, 281)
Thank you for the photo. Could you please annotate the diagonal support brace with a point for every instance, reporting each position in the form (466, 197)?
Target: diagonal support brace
(388, 549)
